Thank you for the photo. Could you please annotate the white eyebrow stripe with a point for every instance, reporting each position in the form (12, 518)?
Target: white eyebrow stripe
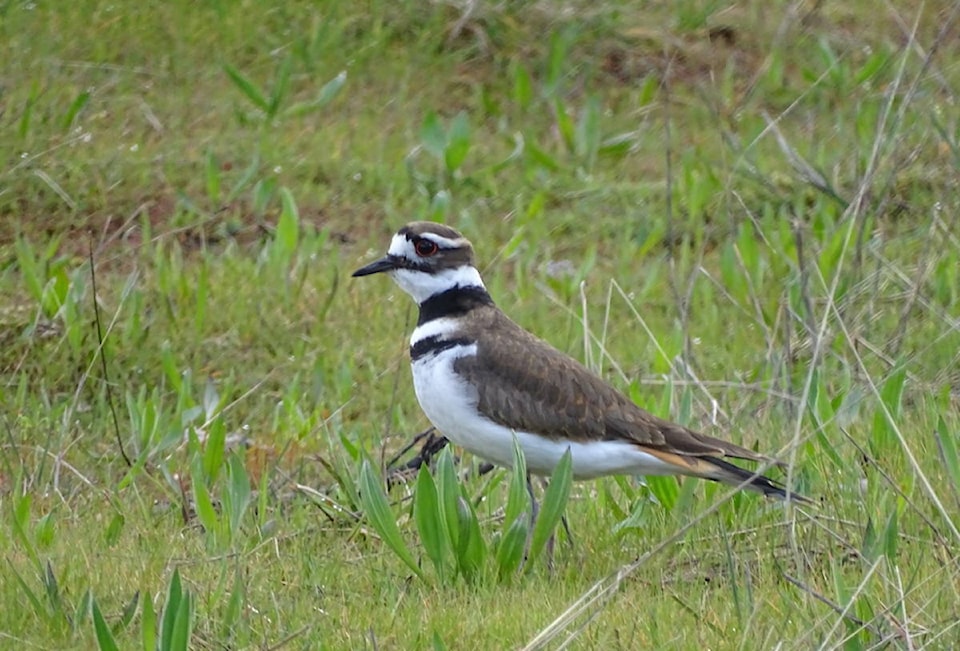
(445, 242)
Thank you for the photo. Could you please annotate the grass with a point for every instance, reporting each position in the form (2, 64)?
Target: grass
(743, 215)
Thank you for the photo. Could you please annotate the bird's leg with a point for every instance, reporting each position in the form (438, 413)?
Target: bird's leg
(534, 506)
(566, 529)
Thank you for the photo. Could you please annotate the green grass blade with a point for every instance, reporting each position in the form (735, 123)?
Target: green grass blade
(170, 608)
(148, 624)
(280, 86)
(31, 268)
(522, 86)
(212, 174)
(182, 627)
(891, 393)
(587, 136)
(947, 446)
(52, 588)
(381, 517)
(891, 534)
(77, 105)
(247, 87)
(232, 614)
(105, 639)
(82, 610)
(38, 609)
(326, 95)
(128, 612)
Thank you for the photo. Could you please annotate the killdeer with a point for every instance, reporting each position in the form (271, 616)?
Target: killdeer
(481, 379)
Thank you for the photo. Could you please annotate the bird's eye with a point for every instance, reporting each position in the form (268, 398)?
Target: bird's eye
(425, 248)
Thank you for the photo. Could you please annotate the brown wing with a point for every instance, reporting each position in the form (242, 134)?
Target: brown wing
(532, 387)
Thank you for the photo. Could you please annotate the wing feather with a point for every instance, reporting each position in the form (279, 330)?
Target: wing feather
(528, 385)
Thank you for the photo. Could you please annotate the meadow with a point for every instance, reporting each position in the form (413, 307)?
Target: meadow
(743, 214)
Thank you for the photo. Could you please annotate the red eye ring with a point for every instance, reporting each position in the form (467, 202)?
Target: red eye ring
(425, 248)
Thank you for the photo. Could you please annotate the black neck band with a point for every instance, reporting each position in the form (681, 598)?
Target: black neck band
(453, 302)
(433, 345)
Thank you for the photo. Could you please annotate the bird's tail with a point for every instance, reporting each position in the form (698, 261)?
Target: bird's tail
(727, 473)
(718, 469)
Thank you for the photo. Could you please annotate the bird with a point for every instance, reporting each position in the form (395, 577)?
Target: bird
(484, 381)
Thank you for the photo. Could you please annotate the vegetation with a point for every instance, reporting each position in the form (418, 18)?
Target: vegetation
(743, 214)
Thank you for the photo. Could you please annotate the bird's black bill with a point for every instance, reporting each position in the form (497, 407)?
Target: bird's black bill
(386, 263)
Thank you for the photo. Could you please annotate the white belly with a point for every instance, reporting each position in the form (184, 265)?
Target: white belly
(450, 404)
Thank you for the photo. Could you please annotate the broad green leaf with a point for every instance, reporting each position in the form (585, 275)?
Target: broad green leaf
(429, 520)
(868, 548)
(52, 587)
(329, 91)
(433, 136)
(231, 615)
(288, 226)
(947, 444)
(542, 158)
(891, 535)
(55, 292)
(557, 60)
(204, 505)
(587, 140)
(236, 497)
(510, 550)
(182, 627)
(471, 550)
(212, 174)
(522, 86)
(458, 142)
(214, 448)
(245, 179)
(83, 608)
(128, 612)
(31, 268)
(171, 606)
(518, 499)
(448, 490)
(648, 90)
(170, 368)
(381, 517)
(439, 206)
(553, 506)
(263, 191)
(565, 126)
(666, 490)
(148, 624)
